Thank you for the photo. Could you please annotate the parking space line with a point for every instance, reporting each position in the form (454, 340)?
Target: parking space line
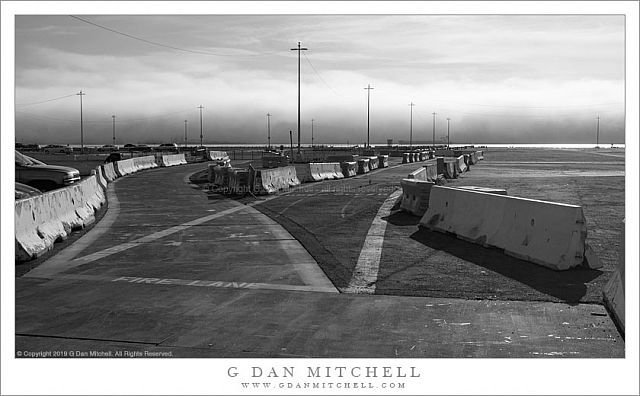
(365, 274)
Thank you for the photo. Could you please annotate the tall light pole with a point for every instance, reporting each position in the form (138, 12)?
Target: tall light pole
(185, 133)
(448, 136)
(368, 88)
(200, 107)
(312, 132)
(598, 132)
(114, 129)
(81, 94)
(411, 125)
(434, 129)
(269, 129)
(299, 49)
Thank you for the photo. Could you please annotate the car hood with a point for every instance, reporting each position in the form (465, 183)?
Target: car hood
(54, 168)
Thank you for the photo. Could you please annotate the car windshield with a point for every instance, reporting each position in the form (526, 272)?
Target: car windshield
(25, 160)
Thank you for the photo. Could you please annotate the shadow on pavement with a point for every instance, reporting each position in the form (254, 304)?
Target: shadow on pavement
(568, 286)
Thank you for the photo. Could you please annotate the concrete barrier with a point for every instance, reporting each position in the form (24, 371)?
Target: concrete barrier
(217, 156)
(349, 169)
(446, 167)
(146, 162)
(460, 164)
(221, 175)
(405, 158)
(418, 174)
(124, 167)
(317, 171)
(109, 172)
(173, 160)
(383, 161)
(239, 181)
(98, 173)
(412, 157)
(431, 168)
(480, 155)
(373, 163)
(415, 195)
(546, 233)
(42, 220)
(614, 290)
(467, 161)
(363, 166)
(269, 181)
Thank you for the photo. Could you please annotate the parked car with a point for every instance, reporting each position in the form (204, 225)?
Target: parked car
(57, 149)
(129, 146)
(169, 147)
(44, 177)
(23, 191)
(108, 147)
(143, 147)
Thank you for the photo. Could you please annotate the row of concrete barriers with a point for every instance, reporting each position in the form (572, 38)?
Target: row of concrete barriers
(269, 181)
(546, 233)
(42, 220)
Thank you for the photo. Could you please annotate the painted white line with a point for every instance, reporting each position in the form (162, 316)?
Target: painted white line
(365, 274)
(59, 264)
(192, 282)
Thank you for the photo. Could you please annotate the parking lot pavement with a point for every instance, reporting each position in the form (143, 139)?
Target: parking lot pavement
(201, 275)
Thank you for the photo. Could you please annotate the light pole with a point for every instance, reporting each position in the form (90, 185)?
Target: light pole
(269, 129)
(448, 136)
(434, 129)
(299, 49)
(411, 126)
(598, 132)
(114, 129)
(185, 133)
(81, 94)
(368, 88)
(312, 132)
(200, 107)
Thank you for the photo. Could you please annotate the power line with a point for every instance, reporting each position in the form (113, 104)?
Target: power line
(320, 77)
(166, 45)
(45, 101)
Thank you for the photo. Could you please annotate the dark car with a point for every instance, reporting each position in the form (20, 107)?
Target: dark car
(44, 177)
(113, 157)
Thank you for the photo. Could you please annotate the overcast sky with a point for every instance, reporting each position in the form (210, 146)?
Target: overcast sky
(500, 79)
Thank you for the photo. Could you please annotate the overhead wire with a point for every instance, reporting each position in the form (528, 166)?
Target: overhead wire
(45, 101)
(167, 45)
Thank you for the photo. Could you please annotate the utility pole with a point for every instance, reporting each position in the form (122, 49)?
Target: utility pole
(448, 136)
(185, 133)
(269, 130)
(114, 129)
(312, 132)
(81, 131)
(291, 142)
(598, 132)
(368, 88)
(411, 126)
(200, 107)
(299, 49)
(434, 129)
